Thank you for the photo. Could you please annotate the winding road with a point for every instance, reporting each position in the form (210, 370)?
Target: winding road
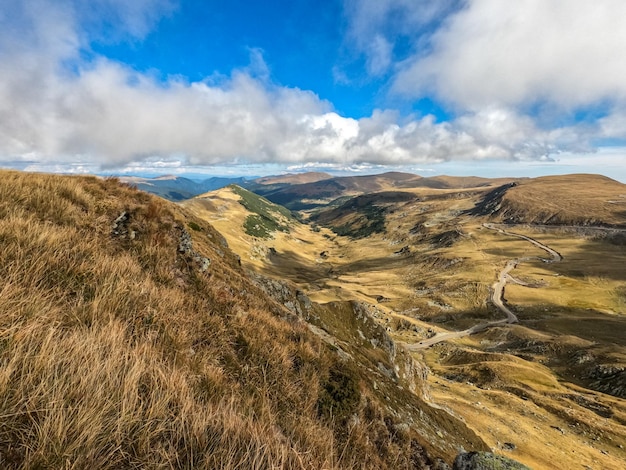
(497, 292)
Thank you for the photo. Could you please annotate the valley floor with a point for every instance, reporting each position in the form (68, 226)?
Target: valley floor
(529, 350)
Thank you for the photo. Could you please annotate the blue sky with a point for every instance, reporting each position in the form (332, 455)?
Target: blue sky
(484, 87)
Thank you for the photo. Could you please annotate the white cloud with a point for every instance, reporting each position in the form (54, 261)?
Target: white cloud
(380, 55)
(568, 53)
(374, 26)
(102, 114)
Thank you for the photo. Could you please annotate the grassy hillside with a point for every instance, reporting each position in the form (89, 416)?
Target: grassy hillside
(131, 338)
(548, 391)
(558, 200)
(266, 217)
(361, 216)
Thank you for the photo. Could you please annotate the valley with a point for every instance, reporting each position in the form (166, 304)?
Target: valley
(511, 292)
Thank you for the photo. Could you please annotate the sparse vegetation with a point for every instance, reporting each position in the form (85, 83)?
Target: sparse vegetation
(258, 226)
(267, 217)
(433, 265)
(118, 352)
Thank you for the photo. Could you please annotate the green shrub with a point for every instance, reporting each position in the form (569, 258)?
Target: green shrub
(340, 395)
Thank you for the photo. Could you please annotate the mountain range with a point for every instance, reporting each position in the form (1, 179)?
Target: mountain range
(427, 255)
(311, 321)
(178, 188)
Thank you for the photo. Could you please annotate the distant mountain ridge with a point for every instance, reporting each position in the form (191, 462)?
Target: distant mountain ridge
(178, 188)
(553, 200)
(322, 192)
(293, 178)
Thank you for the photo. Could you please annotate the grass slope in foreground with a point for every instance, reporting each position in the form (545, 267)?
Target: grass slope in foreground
(128, 341)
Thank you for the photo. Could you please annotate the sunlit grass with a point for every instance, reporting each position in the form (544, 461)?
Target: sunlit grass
(117, 352)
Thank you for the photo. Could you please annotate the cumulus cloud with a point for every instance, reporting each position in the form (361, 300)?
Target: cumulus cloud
(568, 53)
(525, 80)
(374, 27)
(60, 110)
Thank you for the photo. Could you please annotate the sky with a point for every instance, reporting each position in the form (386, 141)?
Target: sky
(480, 87)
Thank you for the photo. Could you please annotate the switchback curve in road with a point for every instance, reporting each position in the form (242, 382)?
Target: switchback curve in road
(497, 292)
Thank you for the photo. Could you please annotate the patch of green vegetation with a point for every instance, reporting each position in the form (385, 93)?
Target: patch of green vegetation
(372, 221)
(267, 217)
(194, 226)
(340, 201)
(340, 396)
(257, 226)
(260, 205)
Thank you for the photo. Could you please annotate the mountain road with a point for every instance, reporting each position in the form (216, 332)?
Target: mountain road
(497, 292)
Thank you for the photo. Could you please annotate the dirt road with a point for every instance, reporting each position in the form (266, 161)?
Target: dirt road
(497, 292)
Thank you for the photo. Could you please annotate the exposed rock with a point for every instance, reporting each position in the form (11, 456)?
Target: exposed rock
(185, 246)
(609, 379)
(120, 229)
(485, 461)
(293, 299)
(401, 367)
(365, 312)
(405, 250)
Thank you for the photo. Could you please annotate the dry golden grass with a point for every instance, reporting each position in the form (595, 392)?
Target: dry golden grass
(573, 307)
(116, 351)
(568, 199)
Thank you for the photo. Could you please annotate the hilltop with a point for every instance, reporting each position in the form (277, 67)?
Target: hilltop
(557, 200)
(133, 337)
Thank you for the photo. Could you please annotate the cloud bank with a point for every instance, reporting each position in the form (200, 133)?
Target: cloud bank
(62, 104)
(565, 52)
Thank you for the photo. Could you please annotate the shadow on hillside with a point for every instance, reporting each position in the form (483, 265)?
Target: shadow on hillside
(601, 259)
(384, 263)
(292, 266)
(589, 325)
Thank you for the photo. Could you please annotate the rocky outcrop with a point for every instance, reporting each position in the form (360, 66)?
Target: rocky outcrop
(609, 379)
(486, 461)
(491, 203)
(185, 247)
(120, 228)
(288, 296)
(356, 326)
